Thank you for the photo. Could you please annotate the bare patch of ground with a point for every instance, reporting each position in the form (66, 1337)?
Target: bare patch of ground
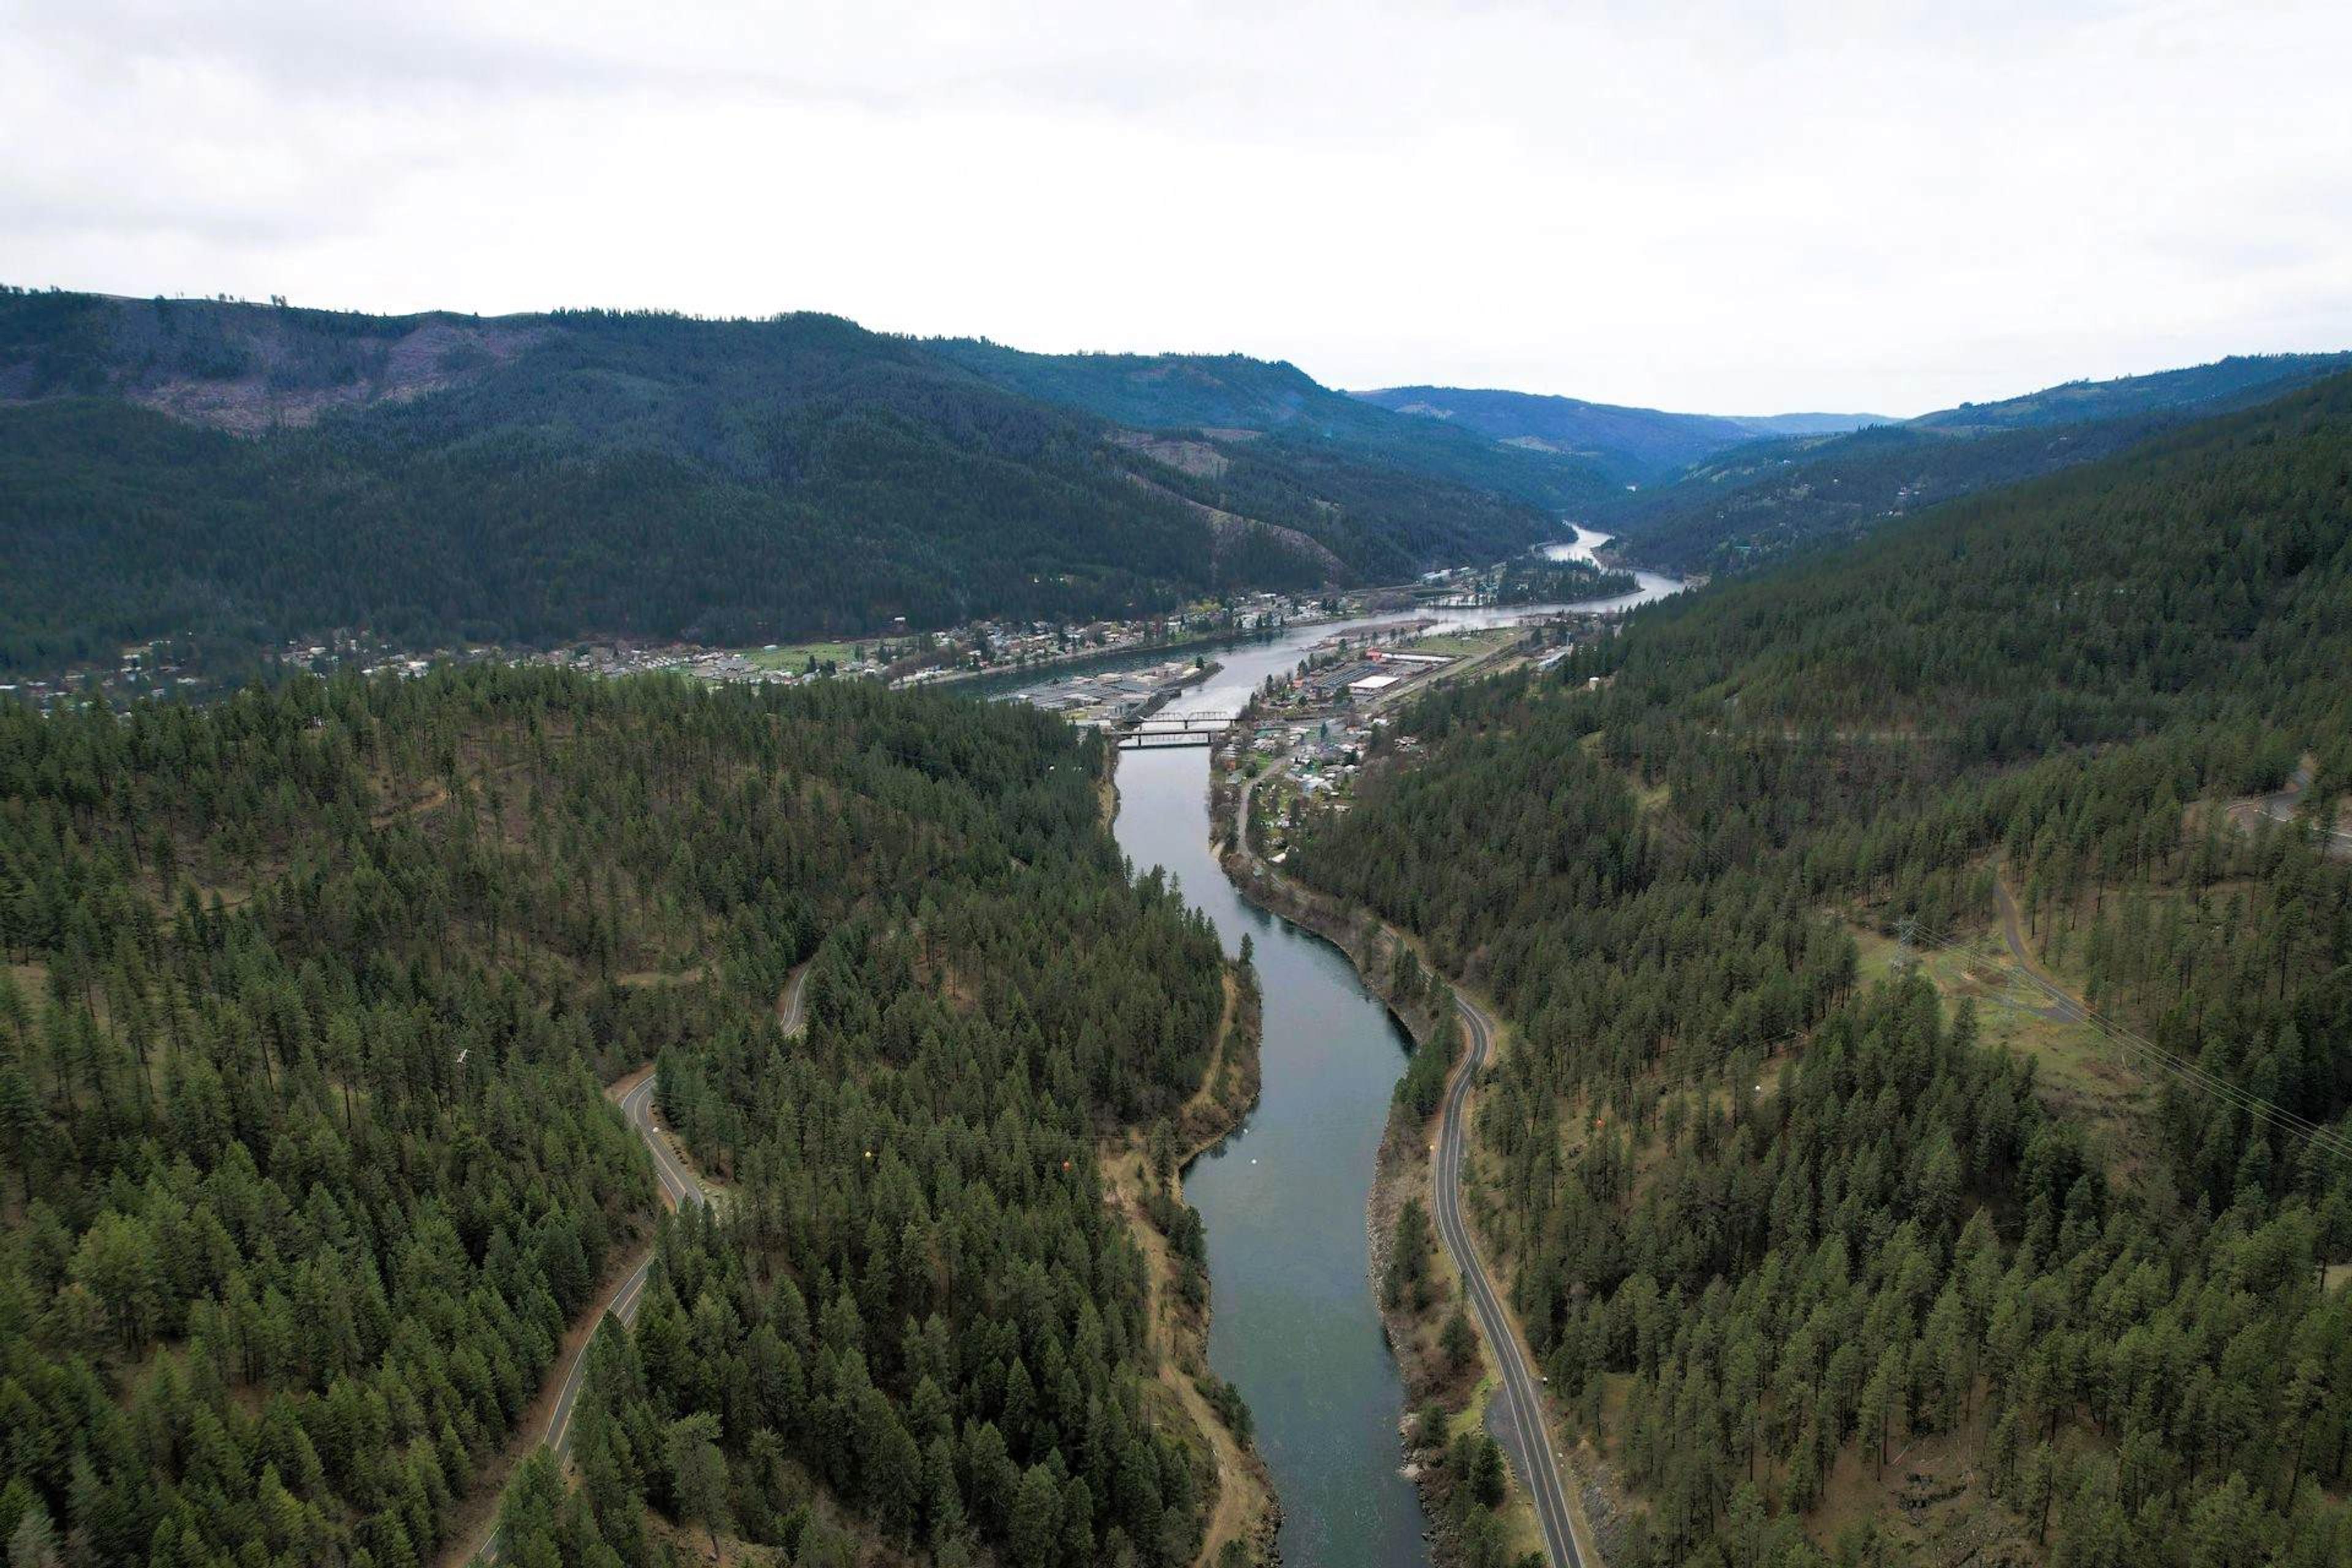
(1227, 530)
(1195, 458)
(2280, 810)
(1928, 1498)
(2078, 1072)
(437, 352)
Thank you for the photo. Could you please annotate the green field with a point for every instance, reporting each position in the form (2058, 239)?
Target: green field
(795, 656)
(2081, 1070)
(1463, 645)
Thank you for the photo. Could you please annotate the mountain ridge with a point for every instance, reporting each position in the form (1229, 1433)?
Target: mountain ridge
(1910, 1029)
(257, 472)
(1751, 502)
(1637, 445)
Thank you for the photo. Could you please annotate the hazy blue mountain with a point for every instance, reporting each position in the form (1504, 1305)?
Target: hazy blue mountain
(2224, 384)
(1635, 446)
(1749, 503)
(1807, 424)
(1231, 397)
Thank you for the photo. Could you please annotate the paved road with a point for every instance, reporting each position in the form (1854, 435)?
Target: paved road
(2282, 808)
(678, 1185)
(794, 1014)
(1525, 1434)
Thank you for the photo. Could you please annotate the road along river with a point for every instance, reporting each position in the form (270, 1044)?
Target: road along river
(1283, 1199)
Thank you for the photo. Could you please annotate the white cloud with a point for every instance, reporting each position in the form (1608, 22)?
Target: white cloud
(1889, 208)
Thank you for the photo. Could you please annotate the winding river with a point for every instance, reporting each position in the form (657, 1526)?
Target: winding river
(1283, 1199)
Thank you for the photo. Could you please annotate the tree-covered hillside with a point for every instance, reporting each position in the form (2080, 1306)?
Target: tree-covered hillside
(1634, 446)
(253, 474)
(2196, 389)
(1750, 505)
(1834, 1230)
(1229, 398)
(307, 1005)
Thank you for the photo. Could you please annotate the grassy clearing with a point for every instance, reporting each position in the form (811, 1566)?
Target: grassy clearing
(795, 656)
(1465, 645)
(1521, 1531)
(2081, 1072)
(32, 979)
(1473, 1416)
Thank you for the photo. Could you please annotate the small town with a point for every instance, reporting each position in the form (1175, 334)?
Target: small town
(181, 668)
(176, 667)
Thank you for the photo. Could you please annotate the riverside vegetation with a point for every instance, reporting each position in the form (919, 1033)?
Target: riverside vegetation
(1455, 1464)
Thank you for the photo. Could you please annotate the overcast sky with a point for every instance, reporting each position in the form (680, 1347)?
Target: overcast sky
(1740, 209)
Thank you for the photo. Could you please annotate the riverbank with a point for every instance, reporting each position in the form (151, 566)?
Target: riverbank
(1283, 1198)
(1143, 1175)
(1448, 1395)
(1086, 661)
(1246, 1514)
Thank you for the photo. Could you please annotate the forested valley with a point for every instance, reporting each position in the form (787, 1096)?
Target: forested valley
(238, 476)
(309, 1002)
(1804, 1250)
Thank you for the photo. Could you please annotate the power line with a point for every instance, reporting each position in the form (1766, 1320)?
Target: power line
(2323, 1138)
(2138, 1046)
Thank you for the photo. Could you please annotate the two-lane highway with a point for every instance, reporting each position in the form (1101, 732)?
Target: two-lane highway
(1525, 1431)
(793, 1012)
(679, 1185)
(1525, 1436)
(2284, 805)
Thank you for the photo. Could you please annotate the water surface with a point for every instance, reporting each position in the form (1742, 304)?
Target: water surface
(1283, 1199)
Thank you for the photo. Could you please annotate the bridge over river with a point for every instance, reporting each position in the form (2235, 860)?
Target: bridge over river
(1151, 731)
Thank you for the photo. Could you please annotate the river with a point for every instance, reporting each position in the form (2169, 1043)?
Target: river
(1283, 1199)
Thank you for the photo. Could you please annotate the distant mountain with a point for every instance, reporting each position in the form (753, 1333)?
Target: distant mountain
(2207, 388)
(252, 473)
(1634, 446)
(1751, 502)
(1807, 424)
(1229, 399)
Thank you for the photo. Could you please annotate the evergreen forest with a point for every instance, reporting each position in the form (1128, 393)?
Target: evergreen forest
(1806, 1251)
(310, 1005)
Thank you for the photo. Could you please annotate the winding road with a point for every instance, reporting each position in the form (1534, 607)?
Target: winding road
(1526, 1434)
(2281, 805)
(791, 1011)
(679, 1186)
(2061, 1006)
